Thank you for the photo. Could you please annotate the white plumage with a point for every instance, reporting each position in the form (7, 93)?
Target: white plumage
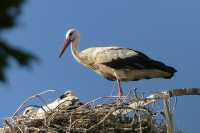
(107, 54)
(67, 99)
(115, 63)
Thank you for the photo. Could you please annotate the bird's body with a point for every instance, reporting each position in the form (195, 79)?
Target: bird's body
(115, 63)
(124, 64)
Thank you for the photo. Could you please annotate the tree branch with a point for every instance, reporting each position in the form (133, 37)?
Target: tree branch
(160, 95)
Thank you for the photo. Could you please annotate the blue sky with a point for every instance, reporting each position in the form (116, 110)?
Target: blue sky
(168, 31)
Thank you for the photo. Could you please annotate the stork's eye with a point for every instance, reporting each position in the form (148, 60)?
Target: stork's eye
(70, 34)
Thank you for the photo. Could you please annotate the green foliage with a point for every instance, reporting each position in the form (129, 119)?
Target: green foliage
(9, 10)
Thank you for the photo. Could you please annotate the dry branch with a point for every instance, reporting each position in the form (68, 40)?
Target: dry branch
(160, 95)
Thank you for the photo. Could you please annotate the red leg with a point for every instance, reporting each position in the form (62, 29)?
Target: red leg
(120, 91)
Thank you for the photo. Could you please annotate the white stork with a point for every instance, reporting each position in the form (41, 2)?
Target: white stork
(115, 63)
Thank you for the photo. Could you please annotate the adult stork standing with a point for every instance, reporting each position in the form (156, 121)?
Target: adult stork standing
(115, 63)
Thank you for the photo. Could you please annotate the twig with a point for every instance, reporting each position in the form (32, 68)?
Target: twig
(28, 99)
(99, 98)
(172, 109)
(10, 126)
(20, 129)
(168, 116)
(139, 119)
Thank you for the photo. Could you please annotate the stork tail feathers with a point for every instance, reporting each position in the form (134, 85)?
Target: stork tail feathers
(171, 70)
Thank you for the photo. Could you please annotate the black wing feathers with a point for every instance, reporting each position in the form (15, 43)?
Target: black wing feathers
(140, 61)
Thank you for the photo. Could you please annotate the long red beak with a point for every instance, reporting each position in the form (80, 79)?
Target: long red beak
(66, 44)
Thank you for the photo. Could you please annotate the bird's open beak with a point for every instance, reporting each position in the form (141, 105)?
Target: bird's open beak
(66, 44)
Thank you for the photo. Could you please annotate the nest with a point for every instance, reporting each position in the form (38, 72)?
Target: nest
(101, 115)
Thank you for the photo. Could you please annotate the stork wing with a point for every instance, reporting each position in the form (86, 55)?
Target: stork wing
(110, 54)
(123, 58)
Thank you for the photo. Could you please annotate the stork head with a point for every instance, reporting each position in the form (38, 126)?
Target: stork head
(71, 36)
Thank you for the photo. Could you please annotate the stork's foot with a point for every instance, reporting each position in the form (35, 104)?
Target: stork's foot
(120, 91)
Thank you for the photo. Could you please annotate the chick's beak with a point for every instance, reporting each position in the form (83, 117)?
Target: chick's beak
(66, 44)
